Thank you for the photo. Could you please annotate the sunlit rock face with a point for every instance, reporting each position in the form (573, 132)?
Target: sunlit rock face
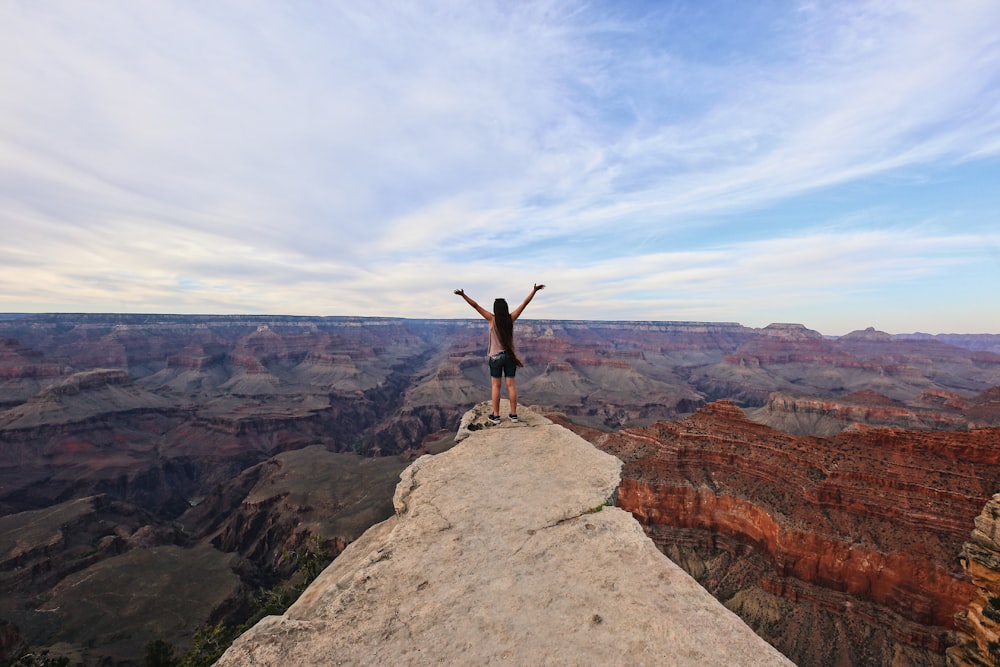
(505, 548)
(978, 625)
(837, 550)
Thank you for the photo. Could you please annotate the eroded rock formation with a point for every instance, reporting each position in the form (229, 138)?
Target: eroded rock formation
(978, 625)
(793, 359)
(850, 541)
(272, 509)
(932, 410)
(503, 549)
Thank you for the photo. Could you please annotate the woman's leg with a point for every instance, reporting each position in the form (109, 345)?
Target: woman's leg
(512, 395)
(496, 395)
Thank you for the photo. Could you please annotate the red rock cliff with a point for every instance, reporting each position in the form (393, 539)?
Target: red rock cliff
(861, 532)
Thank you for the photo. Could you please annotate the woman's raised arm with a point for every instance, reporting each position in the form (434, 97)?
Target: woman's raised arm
(468, 299)
(527, 300)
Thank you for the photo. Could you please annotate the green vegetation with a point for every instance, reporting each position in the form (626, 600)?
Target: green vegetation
(594, 510)
(39, 659)
(211, 641)
(159, 653)
(209, 644)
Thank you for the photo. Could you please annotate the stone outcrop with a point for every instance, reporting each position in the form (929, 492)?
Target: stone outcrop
(827, 416)
(82, 397)
(788, 331)
(978, 626)
(869, 334)
(23, 372)
(504, 548)
(850, 541)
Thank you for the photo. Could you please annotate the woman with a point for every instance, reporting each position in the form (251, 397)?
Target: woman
(503, 357)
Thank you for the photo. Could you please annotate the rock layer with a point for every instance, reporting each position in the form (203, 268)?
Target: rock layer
(978, 626)
(933, 410)
(851, 541)
(503, 548)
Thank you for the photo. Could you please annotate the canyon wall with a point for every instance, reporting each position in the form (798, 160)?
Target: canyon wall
(836, 550)
(978, 625)
(932, 410)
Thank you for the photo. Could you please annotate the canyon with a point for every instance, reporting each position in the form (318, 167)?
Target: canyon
(838, 550)
(226, 445)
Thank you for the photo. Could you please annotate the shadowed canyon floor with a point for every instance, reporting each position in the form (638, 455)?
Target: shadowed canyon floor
(502, 549)
(233, 441)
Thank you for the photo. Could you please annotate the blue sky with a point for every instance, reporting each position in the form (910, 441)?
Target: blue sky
(835, 164)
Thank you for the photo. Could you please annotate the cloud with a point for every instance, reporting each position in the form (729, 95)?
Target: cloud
(251, 156)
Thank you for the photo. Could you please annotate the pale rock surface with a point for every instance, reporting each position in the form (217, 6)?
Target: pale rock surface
(503, 550)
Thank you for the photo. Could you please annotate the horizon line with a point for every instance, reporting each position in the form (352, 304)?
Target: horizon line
(11, 316)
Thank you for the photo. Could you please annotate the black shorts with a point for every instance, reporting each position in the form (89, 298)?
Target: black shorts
(502, 364)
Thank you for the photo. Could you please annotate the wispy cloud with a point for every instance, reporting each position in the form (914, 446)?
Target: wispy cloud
(253, 156)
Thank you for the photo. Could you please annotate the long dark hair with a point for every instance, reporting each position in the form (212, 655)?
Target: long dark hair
(505, 328)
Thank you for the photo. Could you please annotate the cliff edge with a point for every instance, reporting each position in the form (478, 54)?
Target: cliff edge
(978, 626)
(503, 549)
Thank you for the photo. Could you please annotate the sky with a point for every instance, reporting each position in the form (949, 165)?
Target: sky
(834, 164)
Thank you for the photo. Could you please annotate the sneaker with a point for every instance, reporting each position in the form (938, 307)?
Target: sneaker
(513, 418)
(493, 419)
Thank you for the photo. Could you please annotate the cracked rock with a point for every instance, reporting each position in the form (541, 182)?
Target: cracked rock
(502, 549)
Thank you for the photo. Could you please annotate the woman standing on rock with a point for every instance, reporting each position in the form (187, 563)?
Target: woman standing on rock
(503, 358)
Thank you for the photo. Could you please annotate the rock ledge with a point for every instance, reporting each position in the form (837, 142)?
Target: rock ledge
(503, 549)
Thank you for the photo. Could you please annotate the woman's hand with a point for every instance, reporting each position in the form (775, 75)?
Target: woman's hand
(460, 292)
(538, 287)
